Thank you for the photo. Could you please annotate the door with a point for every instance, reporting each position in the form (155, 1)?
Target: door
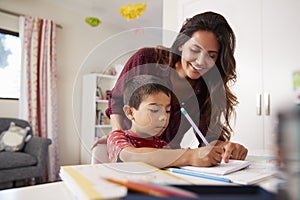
(245, 20)
(266, 48)
(281, 48)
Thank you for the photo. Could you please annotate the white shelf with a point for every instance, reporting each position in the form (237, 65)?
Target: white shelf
(103, 126)
(105, 76)
(100, 100)
(90, 104)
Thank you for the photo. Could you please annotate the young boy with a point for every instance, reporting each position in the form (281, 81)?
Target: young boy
(147, 103)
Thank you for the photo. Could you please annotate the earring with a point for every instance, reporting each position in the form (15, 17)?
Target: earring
(131, 117)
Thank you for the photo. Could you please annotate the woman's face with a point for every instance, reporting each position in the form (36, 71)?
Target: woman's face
(199, 54)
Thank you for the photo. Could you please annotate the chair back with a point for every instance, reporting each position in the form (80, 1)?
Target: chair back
(100, 154)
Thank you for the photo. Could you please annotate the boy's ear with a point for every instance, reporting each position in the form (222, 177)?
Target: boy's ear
(128, 112)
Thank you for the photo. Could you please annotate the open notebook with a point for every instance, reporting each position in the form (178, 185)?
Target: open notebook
(222, 168)
(236, 171)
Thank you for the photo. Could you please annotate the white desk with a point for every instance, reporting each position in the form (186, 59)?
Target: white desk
(49, 191)
(59, 191)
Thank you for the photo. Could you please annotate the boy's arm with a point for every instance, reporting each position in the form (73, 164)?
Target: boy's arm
(204, 156)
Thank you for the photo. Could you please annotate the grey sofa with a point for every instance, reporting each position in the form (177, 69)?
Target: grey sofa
(24, 165)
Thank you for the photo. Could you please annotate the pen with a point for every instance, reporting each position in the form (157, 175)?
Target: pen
(189, 173)
(153, 189)
(184, 112)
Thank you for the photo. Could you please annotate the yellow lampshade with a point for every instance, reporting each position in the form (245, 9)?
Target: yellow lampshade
(132, 11)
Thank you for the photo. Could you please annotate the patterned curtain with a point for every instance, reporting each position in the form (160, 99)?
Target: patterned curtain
(38, 99)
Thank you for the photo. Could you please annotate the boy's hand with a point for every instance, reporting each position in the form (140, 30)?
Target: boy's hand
(206, 156)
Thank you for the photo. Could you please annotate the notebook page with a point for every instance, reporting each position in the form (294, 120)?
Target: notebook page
(249, 175)
(261, 168)
(222, 168)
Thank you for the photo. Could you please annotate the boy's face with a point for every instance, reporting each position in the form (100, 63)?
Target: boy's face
(152, 116)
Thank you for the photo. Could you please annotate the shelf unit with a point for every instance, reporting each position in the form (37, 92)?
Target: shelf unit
(93, 100)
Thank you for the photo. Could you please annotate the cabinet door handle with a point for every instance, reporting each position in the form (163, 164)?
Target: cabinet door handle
(267, 103)
(258, 104)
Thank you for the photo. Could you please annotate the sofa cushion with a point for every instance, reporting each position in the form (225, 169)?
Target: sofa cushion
(10, 160)
(14, 138)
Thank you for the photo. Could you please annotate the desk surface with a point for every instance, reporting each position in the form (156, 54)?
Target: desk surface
(58, 190)
(49, 191)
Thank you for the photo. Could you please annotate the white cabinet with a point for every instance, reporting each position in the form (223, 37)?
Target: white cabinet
(267, 47)
(281, 47)
(93, 124)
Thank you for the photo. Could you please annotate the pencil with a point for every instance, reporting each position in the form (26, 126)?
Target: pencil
(138, 188)
(153, 189)
(185, 113)
(196, 174)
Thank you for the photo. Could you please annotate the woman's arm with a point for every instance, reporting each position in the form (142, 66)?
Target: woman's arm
(204, 156)
(116, 122)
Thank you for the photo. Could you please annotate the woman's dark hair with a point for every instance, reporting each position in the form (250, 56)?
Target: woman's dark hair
(225, 64)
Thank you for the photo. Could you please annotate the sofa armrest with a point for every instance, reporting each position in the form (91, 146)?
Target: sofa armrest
(38, 147)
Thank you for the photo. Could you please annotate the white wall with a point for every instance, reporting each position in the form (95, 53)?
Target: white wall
(74, 42)
(170, 21)
(9, 108)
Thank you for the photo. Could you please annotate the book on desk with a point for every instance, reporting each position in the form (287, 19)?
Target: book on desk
(90, 181)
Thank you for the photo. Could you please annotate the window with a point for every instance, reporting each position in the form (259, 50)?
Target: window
(10, 64)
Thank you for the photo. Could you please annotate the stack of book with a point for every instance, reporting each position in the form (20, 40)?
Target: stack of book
(100, 181)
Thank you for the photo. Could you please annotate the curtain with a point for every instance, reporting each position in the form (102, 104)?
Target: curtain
(38, 93)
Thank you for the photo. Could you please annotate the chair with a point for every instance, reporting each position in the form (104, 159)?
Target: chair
(27, 164)
(100, 154)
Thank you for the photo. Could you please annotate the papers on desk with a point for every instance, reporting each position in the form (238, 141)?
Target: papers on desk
(249, 175)
(236, 171)
(90, 181)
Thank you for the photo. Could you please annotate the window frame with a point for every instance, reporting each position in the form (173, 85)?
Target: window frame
(14, 33)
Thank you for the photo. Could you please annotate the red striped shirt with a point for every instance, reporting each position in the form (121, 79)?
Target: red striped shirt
(120, 139)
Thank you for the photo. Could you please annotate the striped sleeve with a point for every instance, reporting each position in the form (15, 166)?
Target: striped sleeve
(115, 143)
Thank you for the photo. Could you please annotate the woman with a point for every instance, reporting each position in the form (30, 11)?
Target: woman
(198, 68)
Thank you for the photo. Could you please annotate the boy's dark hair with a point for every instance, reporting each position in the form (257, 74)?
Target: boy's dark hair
(139, 87)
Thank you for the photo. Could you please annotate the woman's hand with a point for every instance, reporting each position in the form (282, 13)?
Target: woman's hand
(102, 140)
(232, 151)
